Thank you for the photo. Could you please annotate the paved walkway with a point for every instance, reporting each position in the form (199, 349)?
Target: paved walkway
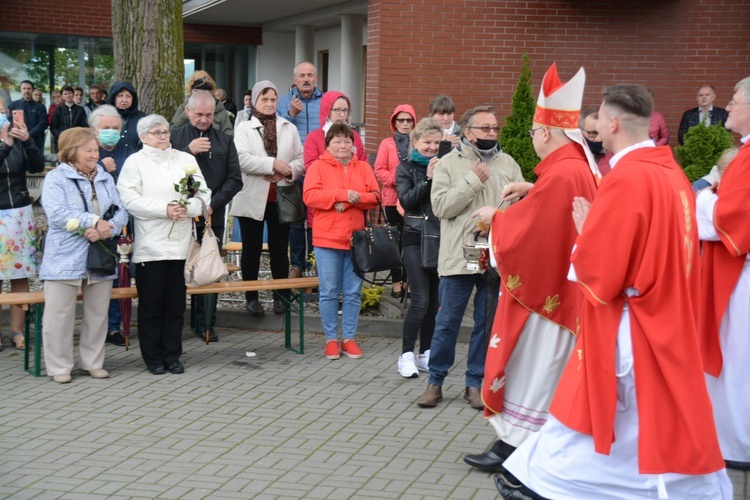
(277, 425)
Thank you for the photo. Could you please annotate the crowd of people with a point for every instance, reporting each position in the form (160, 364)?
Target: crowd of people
(610, 315)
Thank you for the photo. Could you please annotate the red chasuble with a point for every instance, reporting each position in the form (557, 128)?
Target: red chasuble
(641, 233)
(532, 241)
(722, 261)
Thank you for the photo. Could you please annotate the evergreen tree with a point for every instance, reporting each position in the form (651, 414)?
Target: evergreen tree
(703, 146)
(514, 137)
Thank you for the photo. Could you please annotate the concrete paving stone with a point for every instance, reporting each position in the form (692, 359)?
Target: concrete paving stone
(235, 484)
(38, 494)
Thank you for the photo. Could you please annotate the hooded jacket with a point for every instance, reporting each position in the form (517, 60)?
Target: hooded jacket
(129, 116)
(315, 144)
(388, 159)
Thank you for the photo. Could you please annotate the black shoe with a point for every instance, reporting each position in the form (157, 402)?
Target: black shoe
(511, 488)
(254, 308)
(201, 334)
(175, 367)
(157, 370)
(278, 306)
(488, 461)
(115, 338)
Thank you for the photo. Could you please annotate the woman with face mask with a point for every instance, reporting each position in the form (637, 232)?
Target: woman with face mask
(19, 256)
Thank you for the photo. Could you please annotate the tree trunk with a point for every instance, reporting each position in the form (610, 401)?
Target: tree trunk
(149, 52)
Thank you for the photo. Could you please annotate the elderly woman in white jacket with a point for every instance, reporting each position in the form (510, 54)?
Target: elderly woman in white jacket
(270, 153)
(162, 235)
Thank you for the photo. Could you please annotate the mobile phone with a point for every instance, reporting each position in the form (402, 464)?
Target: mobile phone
(444, 148)
(18, 116)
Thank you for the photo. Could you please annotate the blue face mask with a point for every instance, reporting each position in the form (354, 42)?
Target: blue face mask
(3, 120)
(109, 137)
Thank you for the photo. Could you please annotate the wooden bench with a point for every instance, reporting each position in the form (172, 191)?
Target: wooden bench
(296, 304)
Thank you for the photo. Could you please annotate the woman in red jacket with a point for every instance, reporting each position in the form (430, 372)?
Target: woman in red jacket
(341, 189)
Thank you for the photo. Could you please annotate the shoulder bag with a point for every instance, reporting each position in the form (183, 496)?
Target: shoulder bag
(102, 256)
(430, 244)
(204, 264)
(289, 204)
(375, 248)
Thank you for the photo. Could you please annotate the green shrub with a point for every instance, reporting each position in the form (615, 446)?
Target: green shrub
(703, 146)
(371, 296)
(514, 137)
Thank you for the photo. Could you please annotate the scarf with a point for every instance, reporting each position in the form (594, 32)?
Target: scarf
(269, 131)
(89, 177)
(402, 145)
(484, 154)
(419, 158)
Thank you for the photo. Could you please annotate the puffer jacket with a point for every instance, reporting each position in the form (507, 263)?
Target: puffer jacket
(14, 163)
(255, 163)
(146, 186)
(413, 188)
(388, 158)
(129, 117)
(65, 253)
(328, 182)
(457, 192)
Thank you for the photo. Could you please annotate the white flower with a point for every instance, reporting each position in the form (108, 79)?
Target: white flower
(190, 169)
(72, 225)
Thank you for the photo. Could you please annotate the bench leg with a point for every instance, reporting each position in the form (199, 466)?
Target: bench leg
(297, 296)
(37, 369)
(301, 302)
(208, 310)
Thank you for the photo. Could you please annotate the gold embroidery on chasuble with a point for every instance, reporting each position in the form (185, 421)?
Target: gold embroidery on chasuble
(686, 237)
(551, 303)
(513, 282)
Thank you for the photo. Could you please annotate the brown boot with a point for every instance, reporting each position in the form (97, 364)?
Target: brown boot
(431, 396)
(473, 396)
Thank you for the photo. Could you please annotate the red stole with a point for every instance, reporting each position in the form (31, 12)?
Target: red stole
(641, 233)
(722, 261)
(532, 241)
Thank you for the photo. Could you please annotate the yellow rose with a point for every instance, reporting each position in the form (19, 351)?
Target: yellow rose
(190, 169)
(72, 225)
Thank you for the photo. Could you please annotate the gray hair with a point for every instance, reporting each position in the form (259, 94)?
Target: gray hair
(744, 86)
(150, 121)
(468, 118)
(106, 110)
(198, 96)
(219, 93)
(294, 71)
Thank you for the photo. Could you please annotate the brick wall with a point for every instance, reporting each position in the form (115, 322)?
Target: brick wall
(94, 18)
(472, 49)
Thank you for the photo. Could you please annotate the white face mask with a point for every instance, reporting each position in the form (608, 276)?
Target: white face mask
(3, 120)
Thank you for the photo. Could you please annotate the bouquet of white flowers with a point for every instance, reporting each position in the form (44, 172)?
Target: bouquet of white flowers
(186, 188)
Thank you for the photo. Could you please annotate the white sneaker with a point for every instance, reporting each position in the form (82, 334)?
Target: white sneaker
(406, 366)
(423, 361)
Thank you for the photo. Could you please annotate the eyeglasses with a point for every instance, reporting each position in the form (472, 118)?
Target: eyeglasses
(486, 128)
(533, 131)
(592, 134)
(732, 104)
(405, 120)
(340, 111)
(160, 134)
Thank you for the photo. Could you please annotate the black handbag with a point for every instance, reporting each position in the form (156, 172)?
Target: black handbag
(430, 244)
(375, 248)
(289, 204)
(102, 258)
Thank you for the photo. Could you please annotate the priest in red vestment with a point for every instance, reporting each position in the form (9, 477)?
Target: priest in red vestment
(537, 315)
(724, 226)
(631, 417)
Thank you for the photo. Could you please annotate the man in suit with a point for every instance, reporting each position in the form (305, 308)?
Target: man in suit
(705, 113)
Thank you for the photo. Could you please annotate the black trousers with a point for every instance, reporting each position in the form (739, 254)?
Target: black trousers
(395, 219)
(161, 310)
(252, 245)
(200, 299)
(425, 301)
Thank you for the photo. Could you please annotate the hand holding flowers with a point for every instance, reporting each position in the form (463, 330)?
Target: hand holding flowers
(92, 234)
(187, 187)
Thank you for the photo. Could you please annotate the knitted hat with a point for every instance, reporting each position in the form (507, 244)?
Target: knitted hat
(259, 87)
(559, 106)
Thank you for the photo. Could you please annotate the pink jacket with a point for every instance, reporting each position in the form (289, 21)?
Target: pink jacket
(388, 161)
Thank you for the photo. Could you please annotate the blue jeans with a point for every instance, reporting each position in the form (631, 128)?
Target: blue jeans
(454, 296)
(114, 317)
(335, 275)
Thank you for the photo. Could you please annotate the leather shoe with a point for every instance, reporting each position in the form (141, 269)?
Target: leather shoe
(278, 306)
(512, 489)
(295, 272)
(432, 395)
(473, 396)
(157, 370)
(175, 367)
(254, 308)
(489, 461)
(201, 334)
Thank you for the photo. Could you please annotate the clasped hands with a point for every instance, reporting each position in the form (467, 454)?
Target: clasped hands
(352, 197)
(281, 170)
(101, 231)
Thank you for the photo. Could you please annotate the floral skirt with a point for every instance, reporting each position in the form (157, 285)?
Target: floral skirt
(19, 244)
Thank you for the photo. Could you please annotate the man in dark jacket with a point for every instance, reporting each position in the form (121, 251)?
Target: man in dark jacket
(122, 95)
(34, 114)
(67, 115)
(217, 157)
(705, 114)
